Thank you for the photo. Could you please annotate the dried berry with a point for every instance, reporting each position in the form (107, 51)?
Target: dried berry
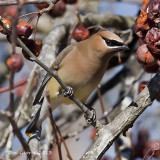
(153, 11)
(58, 9)
(24, 29)
(7, 22)
(15, 62)
(144, 56)
(142, 85)
(9, 39)
(70, 1)
(143, 21)
(34, 46)
(153, 40)
(80, 33)
(141, 42)
(151, 69)
(41, 6)
(140, 33)
(152, 148)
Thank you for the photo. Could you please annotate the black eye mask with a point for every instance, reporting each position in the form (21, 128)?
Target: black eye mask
(112, 43)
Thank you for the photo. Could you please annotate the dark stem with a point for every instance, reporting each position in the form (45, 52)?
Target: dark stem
(55, 132)
(17, 132)
(64, 142)
(14, 2)
(11, 84)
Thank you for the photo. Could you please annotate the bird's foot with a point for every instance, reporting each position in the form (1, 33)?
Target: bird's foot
(68, 93)
(91, 117)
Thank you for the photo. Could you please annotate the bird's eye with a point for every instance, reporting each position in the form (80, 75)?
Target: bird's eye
(111, 42)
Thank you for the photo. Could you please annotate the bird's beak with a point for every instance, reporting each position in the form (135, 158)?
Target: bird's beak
(124, 47)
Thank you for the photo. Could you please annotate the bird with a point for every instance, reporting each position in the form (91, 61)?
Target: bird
(81, 66)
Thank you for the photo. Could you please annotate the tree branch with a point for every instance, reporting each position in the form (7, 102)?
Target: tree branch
(124, 121)
(14, 2)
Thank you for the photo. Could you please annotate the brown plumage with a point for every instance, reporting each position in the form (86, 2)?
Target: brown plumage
(81, 66)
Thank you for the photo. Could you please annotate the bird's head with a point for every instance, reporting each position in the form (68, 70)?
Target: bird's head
(106, 42)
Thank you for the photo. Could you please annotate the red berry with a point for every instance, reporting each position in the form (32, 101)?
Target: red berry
(34, 46)
(43, 5)
(7, 22)
(9, 39)
(144, 56)
(141, 42)
(142, 85)
(153, 40)
(140, 33)
(153, 147)
(153, 11)
(58, 9)
(70, 1)
(151, 69)
(15, 62)
(24, 29)
(80, 33)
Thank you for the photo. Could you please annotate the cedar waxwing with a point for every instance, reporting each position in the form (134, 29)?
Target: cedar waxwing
(80, 66)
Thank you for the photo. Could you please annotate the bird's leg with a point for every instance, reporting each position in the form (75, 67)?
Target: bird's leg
(91, 117)
(68, 93)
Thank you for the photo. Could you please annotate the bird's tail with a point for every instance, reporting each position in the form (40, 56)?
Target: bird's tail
(32, 127)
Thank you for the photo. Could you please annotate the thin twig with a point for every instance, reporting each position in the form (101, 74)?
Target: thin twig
(16, 131)
(14, 2)
(16, 85)
(55, 132)
(65, 145)
(11, 83)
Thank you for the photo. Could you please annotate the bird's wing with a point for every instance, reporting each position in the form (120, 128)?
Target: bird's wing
(55, 65)
(62, 55)
(41, 89)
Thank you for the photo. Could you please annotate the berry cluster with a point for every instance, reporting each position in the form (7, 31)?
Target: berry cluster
(24, 31)
(80, 33)
(58, 9)
(147, 28)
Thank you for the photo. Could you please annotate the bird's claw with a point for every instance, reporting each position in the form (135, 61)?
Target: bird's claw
(91, 117)
(68, 93)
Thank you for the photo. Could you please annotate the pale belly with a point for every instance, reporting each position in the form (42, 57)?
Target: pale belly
(83, 79)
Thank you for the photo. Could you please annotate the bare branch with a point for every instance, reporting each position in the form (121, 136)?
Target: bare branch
(14, 2)
(16, 130)
(125, 120)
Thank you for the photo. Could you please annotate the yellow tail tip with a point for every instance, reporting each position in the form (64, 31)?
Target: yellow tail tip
(29, 134)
